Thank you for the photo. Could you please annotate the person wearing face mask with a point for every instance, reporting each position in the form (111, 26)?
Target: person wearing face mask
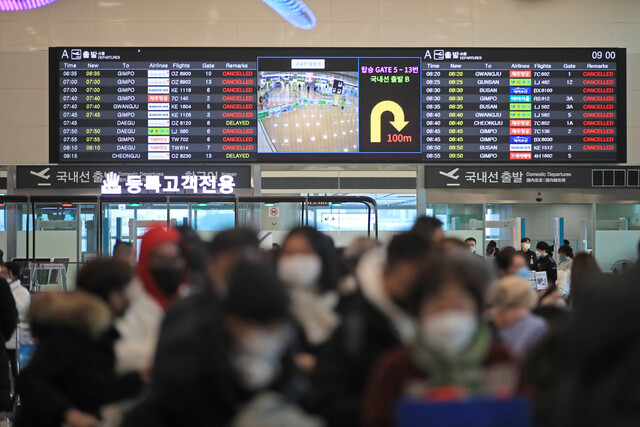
(377, 319)
(307, 264)
(10, 271)
(518, 266)
(71, 374)
(512, 263)
(221, 354)
(471, 242)
(532, 259)
(565, 255)
(161, 271)
(453, 354)
(545, 262)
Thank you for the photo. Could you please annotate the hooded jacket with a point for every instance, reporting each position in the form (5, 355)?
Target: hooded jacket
(372, 324)
(73, 364)
(194, 381)
(140, 326)
(150, 241)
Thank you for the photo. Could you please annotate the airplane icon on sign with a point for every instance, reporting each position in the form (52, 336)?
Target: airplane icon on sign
(43, 174)
(451, 175)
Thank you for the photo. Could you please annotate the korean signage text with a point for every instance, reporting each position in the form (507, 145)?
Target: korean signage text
(220, 180)
(526, 177)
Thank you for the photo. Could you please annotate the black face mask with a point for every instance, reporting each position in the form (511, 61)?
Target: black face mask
(167, 278)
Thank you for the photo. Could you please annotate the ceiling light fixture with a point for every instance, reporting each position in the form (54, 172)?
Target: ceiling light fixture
(295, 12)
(15, 5)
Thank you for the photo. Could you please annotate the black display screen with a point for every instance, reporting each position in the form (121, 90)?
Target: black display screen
(375, 105)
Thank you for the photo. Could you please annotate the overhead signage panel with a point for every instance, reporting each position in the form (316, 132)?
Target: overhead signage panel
(501, 176)
(309, 105)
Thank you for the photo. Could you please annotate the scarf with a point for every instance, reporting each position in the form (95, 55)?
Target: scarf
(464, 370)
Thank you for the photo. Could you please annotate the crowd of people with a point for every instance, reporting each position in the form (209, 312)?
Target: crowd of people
(220, 333)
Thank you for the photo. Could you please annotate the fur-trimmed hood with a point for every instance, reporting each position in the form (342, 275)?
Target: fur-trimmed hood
(76, 310)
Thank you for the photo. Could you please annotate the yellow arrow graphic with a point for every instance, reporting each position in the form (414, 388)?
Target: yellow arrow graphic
(376, 118)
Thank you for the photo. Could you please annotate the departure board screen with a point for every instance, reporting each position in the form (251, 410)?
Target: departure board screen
(311, 105)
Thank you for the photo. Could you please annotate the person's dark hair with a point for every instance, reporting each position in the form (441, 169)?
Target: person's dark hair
(323, 246)
(525, 240)
(460, 267)
(566, 249)
(492, 249)
(505, 258)
(256, 294)
(470, 239)
(1, 256)
(100, 277)
(196, 253)
(449, 243)
(408, 246)
(425, 226)
(542, 367)
(13, 268)
(122, 246)
(232, 240)
(566, 242)
(585, 271)
(543, 246)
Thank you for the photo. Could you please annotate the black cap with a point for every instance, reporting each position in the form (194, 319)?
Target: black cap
(256, 294)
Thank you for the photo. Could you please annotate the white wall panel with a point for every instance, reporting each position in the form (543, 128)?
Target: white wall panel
(25, 36)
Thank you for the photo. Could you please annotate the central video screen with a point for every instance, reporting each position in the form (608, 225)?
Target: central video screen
(308, 111)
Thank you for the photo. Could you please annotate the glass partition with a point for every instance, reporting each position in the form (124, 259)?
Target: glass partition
(538, 223)
(206, 218)
(14, 237)
(127, 221)
(346, 220)
(617, 236)
(460, 221)
(13, 229)
(65, 234)
(271, 216)
(342, 221)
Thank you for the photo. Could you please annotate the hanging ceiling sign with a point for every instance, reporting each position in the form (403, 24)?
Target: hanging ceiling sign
(123, 180)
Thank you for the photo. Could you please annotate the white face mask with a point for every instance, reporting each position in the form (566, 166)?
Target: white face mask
(526, 246)
(472, 249)
(540, 254)
(449, 333)
(301, 271)
(255, 372)
(9, 280)
(257, 358)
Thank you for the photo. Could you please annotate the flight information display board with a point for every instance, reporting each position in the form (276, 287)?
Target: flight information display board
(303, 105)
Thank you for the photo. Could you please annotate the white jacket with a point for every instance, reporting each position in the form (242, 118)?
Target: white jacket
(23, 300)
(139, 329)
